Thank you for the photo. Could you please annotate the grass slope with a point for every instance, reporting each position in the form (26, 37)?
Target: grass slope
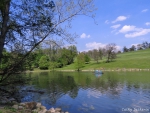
(136, 59)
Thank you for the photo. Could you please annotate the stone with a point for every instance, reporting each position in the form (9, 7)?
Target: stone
(48, 111)
(27, 111)
(38, 109)
(22, 104)
(30, 105)
(52, 110)
(20, 107)
(38, 105)
(35, 111)
(15, 107)
(57, 109)
(43, 111)
(43, 107)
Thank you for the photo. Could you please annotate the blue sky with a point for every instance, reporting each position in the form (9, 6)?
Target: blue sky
(123, 22)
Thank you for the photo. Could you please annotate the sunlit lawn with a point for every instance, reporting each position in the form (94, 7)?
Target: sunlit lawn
(137, 59)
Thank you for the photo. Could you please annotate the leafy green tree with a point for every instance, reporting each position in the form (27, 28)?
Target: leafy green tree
(87, 58)
(5, 60)
(68, 54)
(44, 62)
(53, 65)
(80, 61)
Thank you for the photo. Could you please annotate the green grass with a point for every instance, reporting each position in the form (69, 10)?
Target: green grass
(137, 59)
(8, 109)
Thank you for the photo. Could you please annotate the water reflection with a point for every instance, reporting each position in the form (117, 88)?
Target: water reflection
(98, 74)
(84, 92)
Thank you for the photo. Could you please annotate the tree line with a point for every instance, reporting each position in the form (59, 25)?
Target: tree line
(144, 45)
(53, 56)
(50, 55)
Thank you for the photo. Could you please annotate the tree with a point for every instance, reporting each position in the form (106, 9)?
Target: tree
(110, 52)
(96, 55)
(139, 47)
(100, 50)
(125, 49)
(145, 45)
(80, 61)
(73, 52)
(53, 65)
(44, 62)
(133, 48)
(87, 58)
(25, 24)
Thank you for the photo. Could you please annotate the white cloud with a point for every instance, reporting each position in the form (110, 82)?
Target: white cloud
(147, 23)
(119, 18)
(133, 45)
(95, 45)
(118, 48)
(89, 36)
(138, 33)
(115, 26)
(127, 28)
(107, 22)
(94, 93)
(132, 31)
(144, 10)
(85, 36)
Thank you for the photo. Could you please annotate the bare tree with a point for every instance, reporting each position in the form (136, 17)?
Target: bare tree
(100, 50)
(139, 47)
(96, 55)
(110, 52)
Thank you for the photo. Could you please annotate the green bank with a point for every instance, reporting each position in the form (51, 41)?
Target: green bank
(130, 60)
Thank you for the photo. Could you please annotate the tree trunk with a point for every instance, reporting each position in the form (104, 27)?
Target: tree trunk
(1, 46)
(5, 18)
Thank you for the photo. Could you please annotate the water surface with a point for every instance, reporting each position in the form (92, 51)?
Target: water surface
(85, 92)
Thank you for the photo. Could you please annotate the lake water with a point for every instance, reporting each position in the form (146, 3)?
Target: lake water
(85, 92)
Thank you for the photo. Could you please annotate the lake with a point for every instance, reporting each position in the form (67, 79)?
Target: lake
(85, 92)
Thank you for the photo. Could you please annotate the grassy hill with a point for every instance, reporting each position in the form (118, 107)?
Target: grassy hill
(137, 59)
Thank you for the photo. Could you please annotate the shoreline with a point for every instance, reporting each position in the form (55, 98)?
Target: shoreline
(29, 107)
(90, 70)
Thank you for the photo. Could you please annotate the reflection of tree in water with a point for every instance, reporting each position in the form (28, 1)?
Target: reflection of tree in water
(108, 85)
(61, 85)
